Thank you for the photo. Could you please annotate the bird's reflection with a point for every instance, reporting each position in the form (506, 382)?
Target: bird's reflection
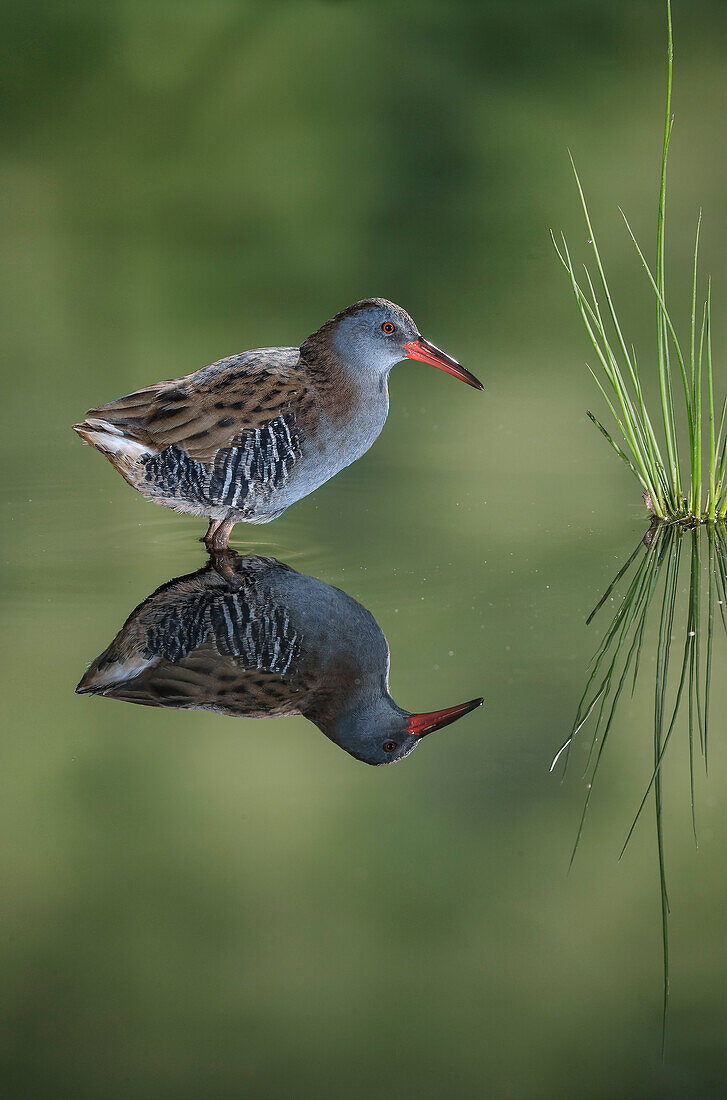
(251, 637)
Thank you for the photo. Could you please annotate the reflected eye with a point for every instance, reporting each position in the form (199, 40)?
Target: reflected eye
(388, 328)
(389, 746)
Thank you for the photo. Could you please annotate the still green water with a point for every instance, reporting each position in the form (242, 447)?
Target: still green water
(197, 905)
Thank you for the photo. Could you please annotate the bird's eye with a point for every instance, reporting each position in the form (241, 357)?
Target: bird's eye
(388, 328)
(389, 746)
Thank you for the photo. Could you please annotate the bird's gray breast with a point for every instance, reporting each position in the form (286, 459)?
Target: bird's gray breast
(344, 440)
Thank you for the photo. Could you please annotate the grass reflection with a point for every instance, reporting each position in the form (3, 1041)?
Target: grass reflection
(654, 574)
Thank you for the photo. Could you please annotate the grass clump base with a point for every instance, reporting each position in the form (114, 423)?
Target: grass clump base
(682, 480)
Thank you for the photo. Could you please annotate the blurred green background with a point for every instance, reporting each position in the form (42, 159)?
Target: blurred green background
(195, 906)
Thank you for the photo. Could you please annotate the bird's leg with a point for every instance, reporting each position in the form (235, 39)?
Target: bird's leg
(219, 538)
(208, 539)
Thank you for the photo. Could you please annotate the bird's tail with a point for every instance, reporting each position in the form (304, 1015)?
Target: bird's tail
(122, 450)
(111, 670)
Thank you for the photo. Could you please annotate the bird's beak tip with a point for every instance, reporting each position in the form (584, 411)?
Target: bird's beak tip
(425, 352)
(420, 724)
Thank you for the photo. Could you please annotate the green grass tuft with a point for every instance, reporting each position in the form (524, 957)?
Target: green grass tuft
(669, 491)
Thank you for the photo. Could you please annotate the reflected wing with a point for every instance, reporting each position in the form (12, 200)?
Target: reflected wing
(199, 643)
(203, 680)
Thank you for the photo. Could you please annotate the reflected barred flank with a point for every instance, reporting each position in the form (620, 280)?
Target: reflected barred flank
(259, 638)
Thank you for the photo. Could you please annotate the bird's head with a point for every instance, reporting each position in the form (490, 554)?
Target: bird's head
(372, 335)
(380, 732)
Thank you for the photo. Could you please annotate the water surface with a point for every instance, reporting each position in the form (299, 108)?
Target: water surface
(197, 904)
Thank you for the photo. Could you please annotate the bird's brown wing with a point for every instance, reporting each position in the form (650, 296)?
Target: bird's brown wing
(216, 407)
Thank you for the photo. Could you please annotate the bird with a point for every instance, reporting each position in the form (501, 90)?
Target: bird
(252, 637)
(242, 439)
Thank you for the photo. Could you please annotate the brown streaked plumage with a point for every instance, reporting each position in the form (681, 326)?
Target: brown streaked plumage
(246, 437)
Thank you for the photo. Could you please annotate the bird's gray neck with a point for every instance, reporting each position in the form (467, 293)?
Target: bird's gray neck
(346, 363)
(354, 396)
